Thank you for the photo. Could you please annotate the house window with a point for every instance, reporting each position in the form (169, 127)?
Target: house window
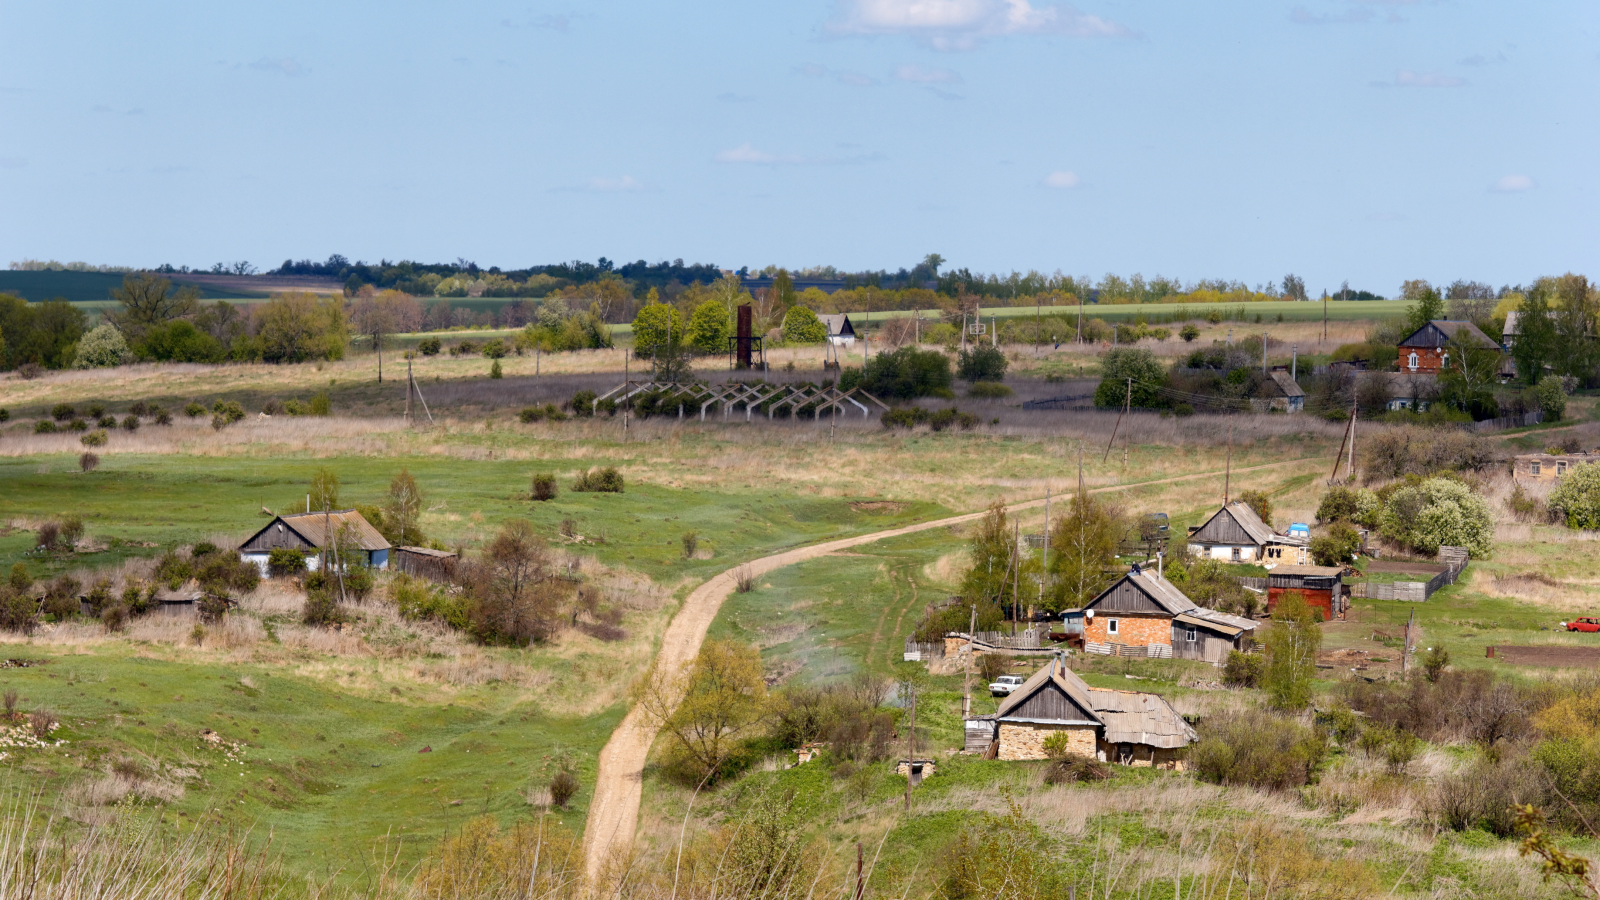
(1236, 556)
(1189, 634)
(1411, 361)
(1561, 469)
(1533, 467)
(1111, 626)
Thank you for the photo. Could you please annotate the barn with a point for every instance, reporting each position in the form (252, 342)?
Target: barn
(309, 533)
(1322, 586)
(425, 562)
(1127, 727)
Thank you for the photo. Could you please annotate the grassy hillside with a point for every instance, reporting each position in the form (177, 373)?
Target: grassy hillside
(91, 290)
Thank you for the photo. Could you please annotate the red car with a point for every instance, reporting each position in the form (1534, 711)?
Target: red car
(1585, 624)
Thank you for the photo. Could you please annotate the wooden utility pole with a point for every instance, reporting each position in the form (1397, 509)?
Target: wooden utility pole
(1343, 440)
(1127, 403)
(861, 882)
(1405, 653)
(1016, 574)
(1044, 556)
(966, 677)
(911, 741)
(627, 387)
(408, 393)
(1350, 470)
(1227, 473)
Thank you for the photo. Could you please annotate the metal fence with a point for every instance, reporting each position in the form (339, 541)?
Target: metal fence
(1455, 561)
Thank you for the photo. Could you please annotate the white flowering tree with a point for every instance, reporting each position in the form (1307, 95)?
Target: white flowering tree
(102, 348)
(1577, 498)
(1439, 512)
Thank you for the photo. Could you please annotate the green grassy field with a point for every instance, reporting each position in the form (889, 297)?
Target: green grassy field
(91, 290)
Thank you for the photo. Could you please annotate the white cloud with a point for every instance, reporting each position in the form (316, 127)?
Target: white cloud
(1408, 78)
(1061, 180)
(626, 183)
(1510, 184)
(285, 66)
(745, 153)
(962, 24)
(919, 75)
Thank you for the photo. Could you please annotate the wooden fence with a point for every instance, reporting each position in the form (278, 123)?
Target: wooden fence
(923, 652)
(1504, 422)
(1455, 561)
(1148, 651)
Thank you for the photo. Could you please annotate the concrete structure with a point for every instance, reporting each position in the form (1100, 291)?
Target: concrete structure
(310, 533)
(1322, 586)
(1127, 727)
(1428, 348)
(1548, 468)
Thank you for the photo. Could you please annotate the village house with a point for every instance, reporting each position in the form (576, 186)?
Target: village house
(1143, 609)
(1548, 468)
(1287, 395)
(1235, 533)
(1427, 349)
(1132, 728)
(1322, 586)
(840, 332)
(309, 533)
(424, 562)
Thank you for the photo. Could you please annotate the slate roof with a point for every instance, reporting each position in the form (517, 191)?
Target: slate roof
(1163, 592)
(1242, 515)
(428, 551)
(838, 325)
(1440, 332)
(1511, 323)
(314, 528)
(1313, 571)
(1200, 622)
(1221, 619)
(1058, 674)
(1135, 717)
(1287, 385)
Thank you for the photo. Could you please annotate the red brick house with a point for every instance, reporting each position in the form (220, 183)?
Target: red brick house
(1427, 350)
(1142, 609)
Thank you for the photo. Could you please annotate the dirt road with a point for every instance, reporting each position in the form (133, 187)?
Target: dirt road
(614, 812)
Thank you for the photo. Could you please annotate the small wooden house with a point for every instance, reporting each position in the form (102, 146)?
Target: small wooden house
(840, 332)
(310, 533)
(424, 562)
(1287, 395)
(1208, 635)
(1235, 533)
(1322, 586)
(1142, 609)
(1127, 727)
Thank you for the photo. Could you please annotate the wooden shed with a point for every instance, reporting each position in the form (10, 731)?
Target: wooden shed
(1209, 635)
(425, 562)
(309, 533)
(1323, 587)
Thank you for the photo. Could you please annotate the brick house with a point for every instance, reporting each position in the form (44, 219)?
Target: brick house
(1548, 468)
(1427, 349)
(1127, 727)
(1142, 609)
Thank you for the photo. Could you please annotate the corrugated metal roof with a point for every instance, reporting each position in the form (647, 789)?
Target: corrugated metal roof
(1439, 332)
(1135, 717)
(428, 551)
(1222, 618)
(314, 528)
(1317, 571)
(1197, 621)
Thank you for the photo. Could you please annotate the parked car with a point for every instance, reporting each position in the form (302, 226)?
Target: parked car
(1584, 624)
(1005, 684)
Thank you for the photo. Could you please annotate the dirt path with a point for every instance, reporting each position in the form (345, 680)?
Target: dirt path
(619, 785)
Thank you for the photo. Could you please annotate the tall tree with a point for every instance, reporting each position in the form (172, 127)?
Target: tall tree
(1536, 334)
(1294, 287)
(1426, 304)
(1083, 548)
(707, 708)
(403, 508)
(783, 290)
(1292, 643)
(148, 300)
(1575, 351)
(375, 318)
(324, 490)
(991, 557)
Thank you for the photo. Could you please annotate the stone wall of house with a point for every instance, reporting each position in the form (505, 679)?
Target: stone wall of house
(1026, 740)
(1135, 631)
(1145, 756)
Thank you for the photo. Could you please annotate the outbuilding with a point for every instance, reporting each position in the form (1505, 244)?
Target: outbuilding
(1322, 586)
(840, 332)
(310, 533)
(425, 562)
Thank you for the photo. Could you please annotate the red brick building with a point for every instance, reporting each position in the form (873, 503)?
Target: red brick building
(1142, 609)
(1427, 350)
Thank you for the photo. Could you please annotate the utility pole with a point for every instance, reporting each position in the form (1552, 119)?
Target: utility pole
(1294, 362)
(911, 741)
(1044, 557)
(627, 387)
(966, 678)
(1227, 476)
(1405, 653)
(408, 393)
(1263, 354)
(1016, 573)
(1126, 405)
(1350, 470)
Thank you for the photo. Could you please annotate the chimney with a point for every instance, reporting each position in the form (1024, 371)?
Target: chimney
(1160, 568)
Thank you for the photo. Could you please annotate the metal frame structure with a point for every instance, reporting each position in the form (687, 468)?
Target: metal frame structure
(733, 394)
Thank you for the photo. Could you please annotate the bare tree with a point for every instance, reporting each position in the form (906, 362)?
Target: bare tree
(147, 301)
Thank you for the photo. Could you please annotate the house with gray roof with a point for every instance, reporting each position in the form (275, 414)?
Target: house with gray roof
(1235, 533)
(1143, 610)
(1128, 727)
(312, 533)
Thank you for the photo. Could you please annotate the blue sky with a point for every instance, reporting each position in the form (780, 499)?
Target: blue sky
(1374, 141)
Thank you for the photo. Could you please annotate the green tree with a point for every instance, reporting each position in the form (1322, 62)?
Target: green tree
(179, 341)
(1536, 334)
(1292, 642)
(1083, 549)
(1120, 364)
(147, 301)
(1336, 547)
(1576, 498)
(904, 374)
(1259, 501)
(1426, 303)
(402, 509)
(1439, 512)
(324, 490)
(709, 328)
(1575, 350)
(1552, 398)
(783, 289)
(989, 574)
(299, 326)
(801, 326)
(102, 348)
(981, 364)
(45, 334)
(655, 324)
(707, 709)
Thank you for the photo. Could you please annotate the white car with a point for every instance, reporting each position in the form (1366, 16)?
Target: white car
(1005, 684)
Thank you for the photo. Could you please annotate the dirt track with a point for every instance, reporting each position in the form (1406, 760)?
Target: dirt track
(614, 812)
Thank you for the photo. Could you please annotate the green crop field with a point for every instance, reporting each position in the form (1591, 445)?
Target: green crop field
(91, 290)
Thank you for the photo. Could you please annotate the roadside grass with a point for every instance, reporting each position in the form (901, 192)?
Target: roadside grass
(334, 775)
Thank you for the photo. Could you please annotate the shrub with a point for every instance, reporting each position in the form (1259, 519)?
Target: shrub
(77, 425)
(71, 530)
(94, 439)
(531, 414)
(1552, 398)
(993, 665)
(1336, 547)
(1437, 512)
(42, 722)
(1189, 332)
(1258, 749)
(563, 787)
(801, 326)
(494, 370)
(691, 543)
(5, 414)
(19, 580)
(224, 573)
(229, 410)
(114, 618)
(131, 423)
(105, 421)
(162, 416)
(203, 549)
(605, 481)
(1484, 793)
(62, 412)
(1434, 661)
(1576, 498)
(193, 409)
(1414, 450)
(1072, 768)
(981, 364)
(415, 598)
(1118, 365)
(989, 390)
(744, 580)
(1345, 504)
(49, 539)
(321, 609)
(1259, 501)
(321, 404)
(912, 416)
(495, 349)
(906, 373)
(1243, 669)
(173, 570)
(429, 346)
(544, 487)
(61, 598)
(296, 407)
(44, 426)
(30, 371)
(358, 582)
(465, 347)
(95, 410)
(285, 562)
(582, 404)
(18, 611)
(139, 408)
(606, 407)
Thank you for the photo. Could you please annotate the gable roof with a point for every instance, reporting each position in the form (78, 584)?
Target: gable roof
(1164, 594)
(1287, 385)
(1232, 523)
(1510, 329)
(1218, 621)
(1055, 676)
(314, 528)
(838, 325)
(1440, 332)
(1313, 571)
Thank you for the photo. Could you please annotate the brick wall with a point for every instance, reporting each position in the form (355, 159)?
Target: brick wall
(1026, 741)
(1429, 359)
(1135, 631)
